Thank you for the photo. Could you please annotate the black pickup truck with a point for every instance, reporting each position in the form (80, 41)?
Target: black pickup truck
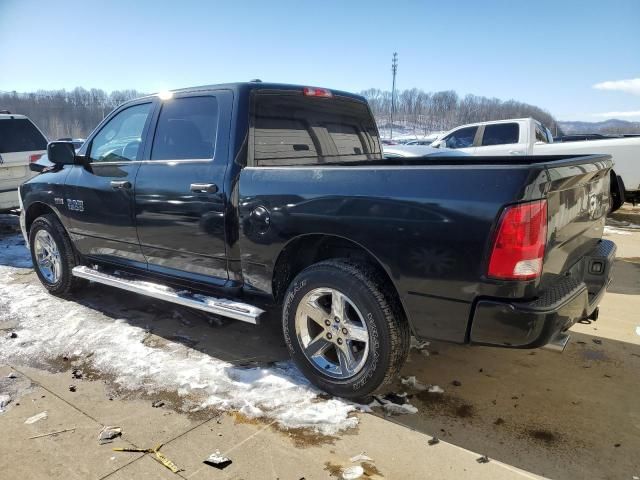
(239, 198)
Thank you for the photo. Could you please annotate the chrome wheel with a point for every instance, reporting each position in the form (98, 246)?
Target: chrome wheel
(47, 256)
(332, 333)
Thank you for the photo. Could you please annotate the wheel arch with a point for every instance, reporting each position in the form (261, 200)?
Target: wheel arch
(305, 250)
(35, 210)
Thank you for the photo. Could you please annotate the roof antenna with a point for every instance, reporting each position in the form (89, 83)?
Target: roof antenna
(255, 80)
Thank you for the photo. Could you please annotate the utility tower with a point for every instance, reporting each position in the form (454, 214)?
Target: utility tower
(394, 70)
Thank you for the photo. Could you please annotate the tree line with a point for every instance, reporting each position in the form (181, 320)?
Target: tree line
(425, 112)
(62, 113)
(74, 113)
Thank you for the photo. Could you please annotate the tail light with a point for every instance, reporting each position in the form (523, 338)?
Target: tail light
(35, 157)
(317, 92)
(518, 251)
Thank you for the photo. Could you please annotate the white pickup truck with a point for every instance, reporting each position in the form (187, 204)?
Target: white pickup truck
(526, 136)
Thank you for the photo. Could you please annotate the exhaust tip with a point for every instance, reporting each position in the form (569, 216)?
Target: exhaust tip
(558, 342)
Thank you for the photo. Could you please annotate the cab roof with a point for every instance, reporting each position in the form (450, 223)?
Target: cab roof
(247, 87)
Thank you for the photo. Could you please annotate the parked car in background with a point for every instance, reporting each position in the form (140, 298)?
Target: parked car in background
(404, 151)
(592, 136)
(76, 142)
(582, 136)
(21, 143)
(43, 162)
(426, 140)
(526, 136)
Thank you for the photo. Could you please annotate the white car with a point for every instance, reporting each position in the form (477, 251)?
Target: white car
(404, 151)
(526, 136)
(21, 143)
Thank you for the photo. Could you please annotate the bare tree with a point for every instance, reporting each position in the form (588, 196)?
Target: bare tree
(427, 112)
(61, 113)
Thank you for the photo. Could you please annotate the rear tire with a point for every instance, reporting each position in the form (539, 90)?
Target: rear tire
(53, 255)
(361, 351)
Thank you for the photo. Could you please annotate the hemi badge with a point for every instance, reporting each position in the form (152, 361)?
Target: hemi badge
(59, 201)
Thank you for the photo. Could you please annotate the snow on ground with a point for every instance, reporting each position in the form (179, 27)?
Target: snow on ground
(13, 252)
(49, 328)
(615, 231)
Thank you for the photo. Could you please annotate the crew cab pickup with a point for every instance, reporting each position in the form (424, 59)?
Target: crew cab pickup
(526, 136)
(241, 198)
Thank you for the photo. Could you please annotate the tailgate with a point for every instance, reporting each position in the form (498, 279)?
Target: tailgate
(578, 201)
(14, 169)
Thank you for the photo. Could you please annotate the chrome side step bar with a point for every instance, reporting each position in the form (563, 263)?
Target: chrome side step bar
(219, 306)
(558, 342)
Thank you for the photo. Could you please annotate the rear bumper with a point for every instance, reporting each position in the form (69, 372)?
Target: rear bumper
(534, 324)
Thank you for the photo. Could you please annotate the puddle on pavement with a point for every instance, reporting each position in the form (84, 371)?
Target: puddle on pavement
(301, 437)
(597, 355)
(545, 436)
(445, 405)
(81, 369)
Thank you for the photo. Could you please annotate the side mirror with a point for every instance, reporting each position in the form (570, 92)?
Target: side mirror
(62, 153)
(438, 144)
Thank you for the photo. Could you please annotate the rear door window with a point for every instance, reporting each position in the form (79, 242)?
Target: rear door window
(501, 134)
(187, 129)
(541, 134)
(292, 129)
(462, 138)
(20, 135)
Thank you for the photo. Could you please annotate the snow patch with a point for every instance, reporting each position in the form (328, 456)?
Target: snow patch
(414, 383)
(36, 418)
(13, 252)
(615, 231)
(50, 327)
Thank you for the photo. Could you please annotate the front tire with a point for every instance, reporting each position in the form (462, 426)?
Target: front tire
(53, 255)
(344, 329)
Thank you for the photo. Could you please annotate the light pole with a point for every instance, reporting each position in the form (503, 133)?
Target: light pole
(394, 69)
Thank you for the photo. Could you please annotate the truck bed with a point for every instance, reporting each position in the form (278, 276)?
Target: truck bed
(474, 160)
(429, 222)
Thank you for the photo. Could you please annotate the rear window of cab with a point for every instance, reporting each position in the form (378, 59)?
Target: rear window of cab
(293, 129)
(20, 135)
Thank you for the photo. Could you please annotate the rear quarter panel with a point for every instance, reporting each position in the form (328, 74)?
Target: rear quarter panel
(429, 227)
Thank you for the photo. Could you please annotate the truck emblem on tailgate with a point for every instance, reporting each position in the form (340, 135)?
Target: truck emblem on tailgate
(75, 205)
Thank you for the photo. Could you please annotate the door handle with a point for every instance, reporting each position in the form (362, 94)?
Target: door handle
(121, 184)
(204, 188)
